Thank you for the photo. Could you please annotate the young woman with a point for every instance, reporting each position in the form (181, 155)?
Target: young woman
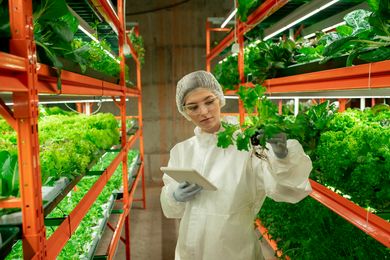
(220, 224)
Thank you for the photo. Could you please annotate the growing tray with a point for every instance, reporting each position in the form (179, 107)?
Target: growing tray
(7, 237)
(99, 229)
(339, 62)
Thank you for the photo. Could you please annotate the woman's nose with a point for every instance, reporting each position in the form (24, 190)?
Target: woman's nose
(203, 109)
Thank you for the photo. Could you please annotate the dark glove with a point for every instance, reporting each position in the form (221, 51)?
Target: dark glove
(186, 191)
(278, 143)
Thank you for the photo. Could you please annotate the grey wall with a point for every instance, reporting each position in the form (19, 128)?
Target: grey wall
(175, 45)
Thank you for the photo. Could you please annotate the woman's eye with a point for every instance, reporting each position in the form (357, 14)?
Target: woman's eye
(209, 102)
(193, 108)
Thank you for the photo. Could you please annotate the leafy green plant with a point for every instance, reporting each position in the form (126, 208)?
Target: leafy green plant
(266, 119)
(261, 61)
(68, 144)
(366, 35)
(264, 58)
(263, 115)
(245, 7)
(226, 72)
(354, 154)
(309, 230)
(138, 44)
(9, 174)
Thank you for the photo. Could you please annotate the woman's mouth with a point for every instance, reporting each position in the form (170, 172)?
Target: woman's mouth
(206, 120)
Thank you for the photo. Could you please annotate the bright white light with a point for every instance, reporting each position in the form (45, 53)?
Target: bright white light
(88, 34)
(96, 40)
(74, 101)
(112, 8)
(333, 26)
(229, 18)
(314, 97)
(309, 36)
(325, 30)
(300, 19)
(112, 56)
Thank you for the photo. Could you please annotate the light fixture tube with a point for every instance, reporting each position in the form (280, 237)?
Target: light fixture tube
(88, 34)
(233, 13)
(300, 19)
(73, 101)
(314, 97)
(96, 40)
(325, 30)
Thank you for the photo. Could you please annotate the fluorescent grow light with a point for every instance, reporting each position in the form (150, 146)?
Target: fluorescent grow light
(88, 34)
(325, 30)
(231, 15)
(300, 19)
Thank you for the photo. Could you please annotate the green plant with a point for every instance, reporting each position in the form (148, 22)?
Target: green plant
(264, 58)
(138, 44)
(353, 155)
(266, 119)
(309, 230)
(68, 144)
(366, 35)
(9, 175)
(245, 7)
(226, 72)
(263, 114)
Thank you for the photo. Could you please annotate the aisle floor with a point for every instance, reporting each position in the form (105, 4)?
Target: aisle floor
(153, 237)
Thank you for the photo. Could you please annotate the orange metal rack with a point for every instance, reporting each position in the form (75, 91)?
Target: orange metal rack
(25, 78)
(366, 76)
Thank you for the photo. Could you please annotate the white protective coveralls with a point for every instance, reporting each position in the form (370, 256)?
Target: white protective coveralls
(219, 225)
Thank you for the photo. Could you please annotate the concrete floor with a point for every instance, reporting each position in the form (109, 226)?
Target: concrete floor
(153, 237)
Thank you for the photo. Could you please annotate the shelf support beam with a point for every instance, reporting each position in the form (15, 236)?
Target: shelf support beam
(371, 224)
(8, 115)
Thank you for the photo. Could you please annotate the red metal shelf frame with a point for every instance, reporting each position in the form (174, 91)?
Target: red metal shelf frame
(273, 244)
(25, 78)
(366, 76)
(371, 224)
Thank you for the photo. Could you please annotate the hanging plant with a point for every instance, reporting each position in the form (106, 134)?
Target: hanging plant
(138, 44)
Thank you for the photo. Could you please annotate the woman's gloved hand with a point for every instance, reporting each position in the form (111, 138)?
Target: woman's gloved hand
(186, 191)
(278, 143)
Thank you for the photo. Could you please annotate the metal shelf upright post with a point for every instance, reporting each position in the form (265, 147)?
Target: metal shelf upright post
(26, 116)
(26, 78)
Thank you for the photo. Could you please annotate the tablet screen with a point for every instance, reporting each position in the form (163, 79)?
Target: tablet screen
(190, 175)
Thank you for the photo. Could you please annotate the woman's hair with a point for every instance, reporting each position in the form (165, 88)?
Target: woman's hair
(195, 80)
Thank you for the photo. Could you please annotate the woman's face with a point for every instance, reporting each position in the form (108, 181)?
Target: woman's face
(204, 109)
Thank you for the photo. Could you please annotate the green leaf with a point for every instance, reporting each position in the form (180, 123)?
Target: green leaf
(50, 9)
(351, 57)
(225, 137)
(337, 46)
(382, 53)
(344, 30)
(15, 175)
(373, 4)
(242, 142)
(379, 24)
(7, 174)
(358, 20)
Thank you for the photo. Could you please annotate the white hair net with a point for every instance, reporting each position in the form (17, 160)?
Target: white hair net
(194, 80)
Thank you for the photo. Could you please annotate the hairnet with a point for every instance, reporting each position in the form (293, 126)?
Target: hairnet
(194, 80)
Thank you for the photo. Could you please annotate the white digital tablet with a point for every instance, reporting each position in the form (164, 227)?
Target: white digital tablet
(190, 175)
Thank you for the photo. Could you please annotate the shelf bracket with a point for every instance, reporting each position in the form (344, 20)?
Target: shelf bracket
(8, 115)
